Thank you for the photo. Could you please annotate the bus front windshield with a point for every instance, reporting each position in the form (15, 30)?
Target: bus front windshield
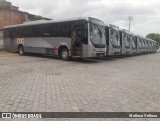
(139, 43)
(97, 35)
(115, 38)
(126, 40)
(144, 44)
(132, 39)
(147, 44)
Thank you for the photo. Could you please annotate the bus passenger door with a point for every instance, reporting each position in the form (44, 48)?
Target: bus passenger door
(12, 41)
(76, 41)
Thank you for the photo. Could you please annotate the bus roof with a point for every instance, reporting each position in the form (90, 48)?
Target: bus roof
(125, 30)
(38, 22)
(132, 34)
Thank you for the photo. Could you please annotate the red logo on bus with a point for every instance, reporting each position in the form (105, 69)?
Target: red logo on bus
(20, 41)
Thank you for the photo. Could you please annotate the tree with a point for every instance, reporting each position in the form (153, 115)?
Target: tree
(154, 36)
(37, 18)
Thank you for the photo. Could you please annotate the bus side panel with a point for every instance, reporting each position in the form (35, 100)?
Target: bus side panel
(33, 45)
(7, 45)
(46, 45)
(85, 49)
(10, 44)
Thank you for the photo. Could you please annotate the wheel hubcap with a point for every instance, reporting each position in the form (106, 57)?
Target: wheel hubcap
(21, 51)
(64, 54)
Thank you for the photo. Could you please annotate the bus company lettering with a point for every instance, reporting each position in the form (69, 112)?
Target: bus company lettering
(21, 116)
(142, 116)
(20, 41)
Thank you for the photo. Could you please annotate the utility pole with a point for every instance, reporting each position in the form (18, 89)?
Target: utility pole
(130, 19)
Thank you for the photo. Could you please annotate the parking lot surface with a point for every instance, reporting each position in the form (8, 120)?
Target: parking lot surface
(36, 83)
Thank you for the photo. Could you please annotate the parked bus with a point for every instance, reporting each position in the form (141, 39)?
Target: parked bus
(78, 37)
(133, 44)
(158, 46)
(139, 45)
(113, 40)
(125, 42)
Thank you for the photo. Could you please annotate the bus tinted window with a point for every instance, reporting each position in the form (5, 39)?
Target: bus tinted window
(6, 33)
(24, 32)
(37, 31)
(46, 30)
(56, 30)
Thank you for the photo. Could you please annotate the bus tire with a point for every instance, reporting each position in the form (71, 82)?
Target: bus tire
(64, 54)
(21, 50)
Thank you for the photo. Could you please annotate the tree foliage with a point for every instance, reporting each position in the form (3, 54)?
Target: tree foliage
(37, 18)
(154, 36)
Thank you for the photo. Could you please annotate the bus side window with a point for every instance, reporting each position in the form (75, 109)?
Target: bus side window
(13, 33)
(18, 33)
(29, 32)
(37, 30)
(46, 31)
(6, 33)
(51, 29)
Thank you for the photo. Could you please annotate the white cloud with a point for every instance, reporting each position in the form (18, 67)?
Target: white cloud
(146, 13)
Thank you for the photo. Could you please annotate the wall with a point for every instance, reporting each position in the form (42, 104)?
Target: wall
(4, 18)
(1, 40)
(8, 17)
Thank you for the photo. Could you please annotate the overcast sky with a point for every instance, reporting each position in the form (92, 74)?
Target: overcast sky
(146, 13)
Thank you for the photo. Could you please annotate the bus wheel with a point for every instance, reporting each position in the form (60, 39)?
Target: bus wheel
(64, 54)
(21, 50)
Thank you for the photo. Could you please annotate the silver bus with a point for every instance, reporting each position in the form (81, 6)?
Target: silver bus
(150, 45)
(139, 45)
(155, 46)
(147, 45)
(125, 42)
(113, 40)
(143, 45)
(77, 37)
(133, 44)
